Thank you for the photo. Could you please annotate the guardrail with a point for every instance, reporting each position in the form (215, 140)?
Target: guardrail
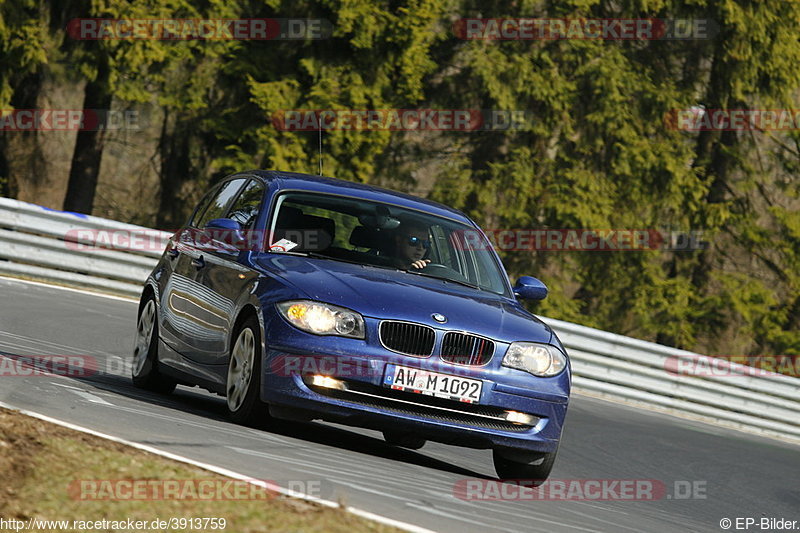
(40, 243)
(54, 246)
(614, 366)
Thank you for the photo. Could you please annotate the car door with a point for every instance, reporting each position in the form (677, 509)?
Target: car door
(172, 329)
(226, 274)
(189, 318)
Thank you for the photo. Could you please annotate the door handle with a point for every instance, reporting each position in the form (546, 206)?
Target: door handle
(173, 253)
(199, 262)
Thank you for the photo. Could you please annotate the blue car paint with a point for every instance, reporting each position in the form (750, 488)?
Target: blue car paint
(231, 282)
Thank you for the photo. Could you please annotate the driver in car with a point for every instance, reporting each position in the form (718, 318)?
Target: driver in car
(411, 243)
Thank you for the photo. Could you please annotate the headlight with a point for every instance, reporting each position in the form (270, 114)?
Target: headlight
(537, 359)
(322, 319)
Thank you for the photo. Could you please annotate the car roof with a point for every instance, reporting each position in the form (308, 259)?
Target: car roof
(324, 184)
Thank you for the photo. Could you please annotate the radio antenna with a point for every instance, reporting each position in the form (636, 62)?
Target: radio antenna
(320, 150)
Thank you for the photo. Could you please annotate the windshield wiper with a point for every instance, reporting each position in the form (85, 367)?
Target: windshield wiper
(464, 283)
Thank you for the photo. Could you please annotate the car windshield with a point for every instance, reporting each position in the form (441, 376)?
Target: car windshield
(376, 234)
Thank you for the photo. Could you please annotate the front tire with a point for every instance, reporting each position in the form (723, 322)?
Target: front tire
(524, 465)
(243, 384)
(144, 371)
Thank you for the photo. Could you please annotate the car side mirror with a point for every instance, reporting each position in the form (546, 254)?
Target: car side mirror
(224, 223)
(226, 231)
(529, 288)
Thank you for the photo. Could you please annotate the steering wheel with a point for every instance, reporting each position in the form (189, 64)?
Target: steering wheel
(435, 265)
(449, 272)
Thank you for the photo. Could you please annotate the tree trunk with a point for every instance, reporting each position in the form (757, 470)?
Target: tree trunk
(176, 168)
(21, 154)
(5, 185)
(89, 145)
(720, 168)
(713, 150)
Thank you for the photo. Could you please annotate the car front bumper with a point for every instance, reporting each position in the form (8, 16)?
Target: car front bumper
(287, 386)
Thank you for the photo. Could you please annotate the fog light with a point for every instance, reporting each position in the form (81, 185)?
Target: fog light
(520, 418)
(328, 382)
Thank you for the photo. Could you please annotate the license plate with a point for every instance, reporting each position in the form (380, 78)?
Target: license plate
(433, 383)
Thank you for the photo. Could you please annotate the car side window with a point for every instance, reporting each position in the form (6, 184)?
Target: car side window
(202, 205)
(246, 207)
(440, 253)
(219, 204)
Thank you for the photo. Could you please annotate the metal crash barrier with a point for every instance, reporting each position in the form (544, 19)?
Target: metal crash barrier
(90, 252)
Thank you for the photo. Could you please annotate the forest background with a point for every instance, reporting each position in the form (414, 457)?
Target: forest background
(597, 153)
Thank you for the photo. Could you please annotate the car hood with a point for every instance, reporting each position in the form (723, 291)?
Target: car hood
(390, 294)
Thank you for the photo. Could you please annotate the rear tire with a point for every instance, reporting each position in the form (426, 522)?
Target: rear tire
(243, 382)
(524, 465)
(144, 371)
(403, 440)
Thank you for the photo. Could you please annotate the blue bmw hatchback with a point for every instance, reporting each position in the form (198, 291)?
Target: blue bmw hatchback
(301, 297)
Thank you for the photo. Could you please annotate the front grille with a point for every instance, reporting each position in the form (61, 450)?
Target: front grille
(437, 409)
(465, 349)
(407, 338)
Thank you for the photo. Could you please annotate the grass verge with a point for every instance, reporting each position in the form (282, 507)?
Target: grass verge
(42, 466)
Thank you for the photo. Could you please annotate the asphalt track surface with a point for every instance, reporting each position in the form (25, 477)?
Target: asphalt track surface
(737, 474)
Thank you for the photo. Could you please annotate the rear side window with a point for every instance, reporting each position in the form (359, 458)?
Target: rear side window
(247, 206)
(202, 206)
(218, 206)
